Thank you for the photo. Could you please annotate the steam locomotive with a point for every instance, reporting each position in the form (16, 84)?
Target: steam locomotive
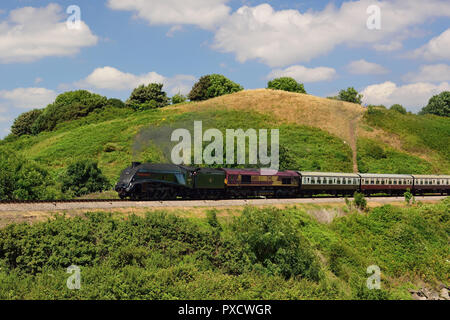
(148, 181)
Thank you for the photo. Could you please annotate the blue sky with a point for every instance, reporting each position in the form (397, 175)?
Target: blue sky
(118, 44)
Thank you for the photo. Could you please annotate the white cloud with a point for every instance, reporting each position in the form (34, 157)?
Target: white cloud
(388, 47)
(364, 67)
(412, 96)
(27, 98)
(38, 80)
(304, 74)
(431, 73)
(29, 34)
(284, 37)
(110, 78)
(438, 48)
(205, 14)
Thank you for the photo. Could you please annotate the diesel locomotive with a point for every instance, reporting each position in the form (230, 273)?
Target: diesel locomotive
(149, 181)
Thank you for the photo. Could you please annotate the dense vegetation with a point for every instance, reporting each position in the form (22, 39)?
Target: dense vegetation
(262, 254)
(286, 84)
(68, 106)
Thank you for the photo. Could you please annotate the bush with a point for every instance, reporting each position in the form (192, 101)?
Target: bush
(83, 177)
(178, 98)
(273, 241)
(286, 84)
(211, 86)
(408, 197)
(22, 179)
(24, 122)
(399, 108)
(350, 95)
(359, 201)
(148, 97)
(9, 166)
(438, 105)
(68, 106)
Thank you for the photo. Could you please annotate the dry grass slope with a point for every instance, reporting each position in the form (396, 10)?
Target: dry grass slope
(336, 117)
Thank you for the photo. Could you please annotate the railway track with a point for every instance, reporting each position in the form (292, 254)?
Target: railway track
(190, 200)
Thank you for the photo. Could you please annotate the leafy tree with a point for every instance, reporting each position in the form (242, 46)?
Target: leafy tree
(286, 84)
(350, 95)
(211, 86)
(178, 98)
(24, 122)
(148, 97)
(83, 177)
(68, 106)
(398, 107)
(438, 105)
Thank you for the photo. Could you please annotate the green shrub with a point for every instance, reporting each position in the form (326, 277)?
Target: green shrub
(148, 97)
(178, 98)
(286, 84)
(359, 201)
(408, 197)
(83, 177)
(213, 85)
(273, 241)
(22, 179)
(24, 122)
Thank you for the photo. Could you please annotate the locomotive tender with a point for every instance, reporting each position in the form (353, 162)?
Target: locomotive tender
(168, 181)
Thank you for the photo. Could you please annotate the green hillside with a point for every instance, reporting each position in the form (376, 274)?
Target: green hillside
(315, 134)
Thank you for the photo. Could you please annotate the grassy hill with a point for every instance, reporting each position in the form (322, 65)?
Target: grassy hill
(319, 134)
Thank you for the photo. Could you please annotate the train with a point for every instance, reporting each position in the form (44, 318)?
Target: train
(159, 181)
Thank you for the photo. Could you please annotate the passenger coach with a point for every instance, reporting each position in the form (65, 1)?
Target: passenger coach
(329, 183)
(431, 184)
(386, 183)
